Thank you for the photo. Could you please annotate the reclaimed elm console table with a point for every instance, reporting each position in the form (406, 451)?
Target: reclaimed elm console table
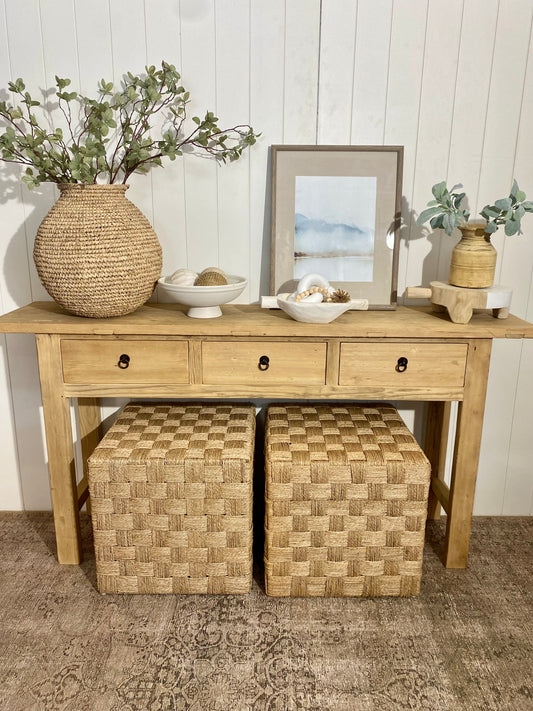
(249, 352)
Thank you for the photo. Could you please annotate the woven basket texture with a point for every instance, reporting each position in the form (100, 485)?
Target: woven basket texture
(96, 253)
(171, 494)
(346, 502)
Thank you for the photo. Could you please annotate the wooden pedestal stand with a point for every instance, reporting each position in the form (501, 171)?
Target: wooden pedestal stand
(461, 301)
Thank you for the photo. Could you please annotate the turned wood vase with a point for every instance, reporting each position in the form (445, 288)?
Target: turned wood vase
(473, 261)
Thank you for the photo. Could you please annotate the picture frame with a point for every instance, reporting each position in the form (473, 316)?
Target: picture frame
(336, 211)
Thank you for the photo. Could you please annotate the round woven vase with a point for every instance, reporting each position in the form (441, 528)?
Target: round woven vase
(473, 261)
(96, 253)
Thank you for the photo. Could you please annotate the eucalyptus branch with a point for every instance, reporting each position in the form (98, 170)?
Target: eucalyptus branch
(113, 136)
(445, 210)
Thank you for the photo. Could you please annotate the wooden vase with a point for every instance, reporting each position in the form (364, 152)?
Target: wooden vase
(96, 253)
(473, 261)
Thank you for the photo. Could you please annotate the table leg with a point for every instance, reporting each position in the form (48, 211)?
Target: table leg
(466, 455)
(61, 465)
(90, 427)
(438, 425)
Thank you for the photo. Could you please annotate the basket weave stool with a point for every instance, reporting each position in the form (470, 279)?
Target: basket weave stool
(171, 494)
(346, 502)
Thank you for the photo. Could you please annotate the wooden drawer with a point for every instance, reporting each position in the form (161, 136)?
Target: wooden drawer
(428, 364)
(97, 361)
(239, 363)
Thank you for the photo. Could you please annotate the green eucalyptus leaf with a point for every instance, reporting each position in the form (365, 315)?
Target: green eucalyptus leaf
(503, 204)
(512, 227)
(427, 214)
(489, 211)
(448, 223)
(439, 190)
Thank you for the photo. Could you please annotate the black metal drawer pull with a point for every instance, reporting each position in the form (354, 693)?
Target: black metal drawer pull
(124, 361)
(264, 362)
(401, 365)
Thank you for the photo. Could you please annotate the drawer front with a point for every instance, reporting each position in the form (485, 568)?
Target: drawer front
(380, 364)
(263, 363)
(97, 361)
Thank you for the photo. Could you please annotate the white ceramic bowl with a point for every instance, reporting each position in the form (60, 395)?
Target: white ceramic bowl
(308, 312)
(204, 301)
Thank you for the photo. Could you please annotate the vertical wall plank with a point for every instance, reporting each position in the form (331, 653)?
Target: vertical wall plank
(198, 64)
(26, 56)
(503, 110)
(434, 130)
(496, 174)
(128, 46)
(406, 61)
(267, 62)
(501, 392)
(371, 71)
(302, 30)
(518, 490)
(337, 53)
(163, 42)
(12, 219)
(517, 269)
(517, 256)
(233, 108)
(25, 210)
(470, 108)
(93, 37)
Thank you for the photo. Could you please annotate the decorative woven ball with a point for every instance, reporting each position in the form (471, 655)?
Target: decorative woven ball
(183, 277)
(212, 276)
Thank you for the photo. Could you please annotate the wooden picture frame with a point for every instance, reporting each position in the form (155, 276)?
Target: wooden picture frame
(336, 211)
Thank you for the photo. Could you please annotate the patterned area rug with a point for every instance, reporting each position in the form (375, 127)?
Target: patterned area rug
(465, 643)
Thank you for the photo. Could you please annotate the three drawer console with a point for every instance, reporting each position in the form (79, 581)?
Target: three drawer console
(249, 352)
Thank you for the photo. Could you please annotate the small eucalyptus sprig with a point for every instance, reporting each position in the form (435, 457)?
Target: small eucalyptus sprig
(110, 138)
(508, 212)
(445, 210)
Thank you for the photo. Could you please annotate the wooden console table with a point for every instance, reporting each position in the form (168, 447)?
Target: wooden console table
(408, 354)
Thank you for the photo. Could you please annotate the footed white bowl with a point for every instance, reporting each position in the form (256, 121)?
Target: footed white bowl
(308, 312)
(204, 301)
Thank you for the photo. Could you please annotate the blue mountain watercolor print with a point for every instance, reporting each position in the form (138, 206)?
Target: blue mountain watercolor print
(334, 227)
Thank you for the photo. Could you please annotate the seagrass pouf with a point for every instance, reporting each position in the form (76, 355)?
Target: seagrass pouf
(171, 495)
(346, 502)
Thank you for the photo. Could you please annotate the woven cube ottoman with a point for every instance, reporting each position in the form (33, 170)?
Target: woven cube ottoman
(346, 502)
(171, 495)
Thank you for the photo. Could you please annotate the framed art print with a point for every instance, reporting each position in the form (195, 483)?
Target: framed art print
(336, 212)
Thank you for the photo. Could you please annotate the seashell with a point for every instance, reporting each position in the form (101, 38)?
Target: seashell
(183, 277)
(212, 276)
(309, 280)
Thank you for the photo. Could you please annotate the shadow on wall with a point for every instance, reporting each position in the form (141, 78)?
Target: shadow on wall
(20, 276)
(409, 233)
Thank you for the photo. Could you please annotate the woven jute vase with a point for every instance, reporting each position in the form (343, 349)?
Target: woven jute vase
(473, 261)
(96, 253)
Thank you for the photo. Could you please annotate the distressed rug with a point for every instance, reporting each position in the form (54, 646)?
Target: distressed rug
(465, 643)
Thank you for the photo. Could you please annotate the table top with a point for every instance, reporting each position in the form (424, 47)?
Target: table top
(252, 321)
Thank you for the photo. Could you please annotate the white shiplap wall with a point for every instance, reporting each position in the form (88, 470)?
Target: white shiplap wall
(451, 80)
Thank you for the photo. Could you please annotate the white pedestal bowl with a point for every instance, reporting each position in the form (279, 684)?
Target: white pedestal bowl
(203, 301)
